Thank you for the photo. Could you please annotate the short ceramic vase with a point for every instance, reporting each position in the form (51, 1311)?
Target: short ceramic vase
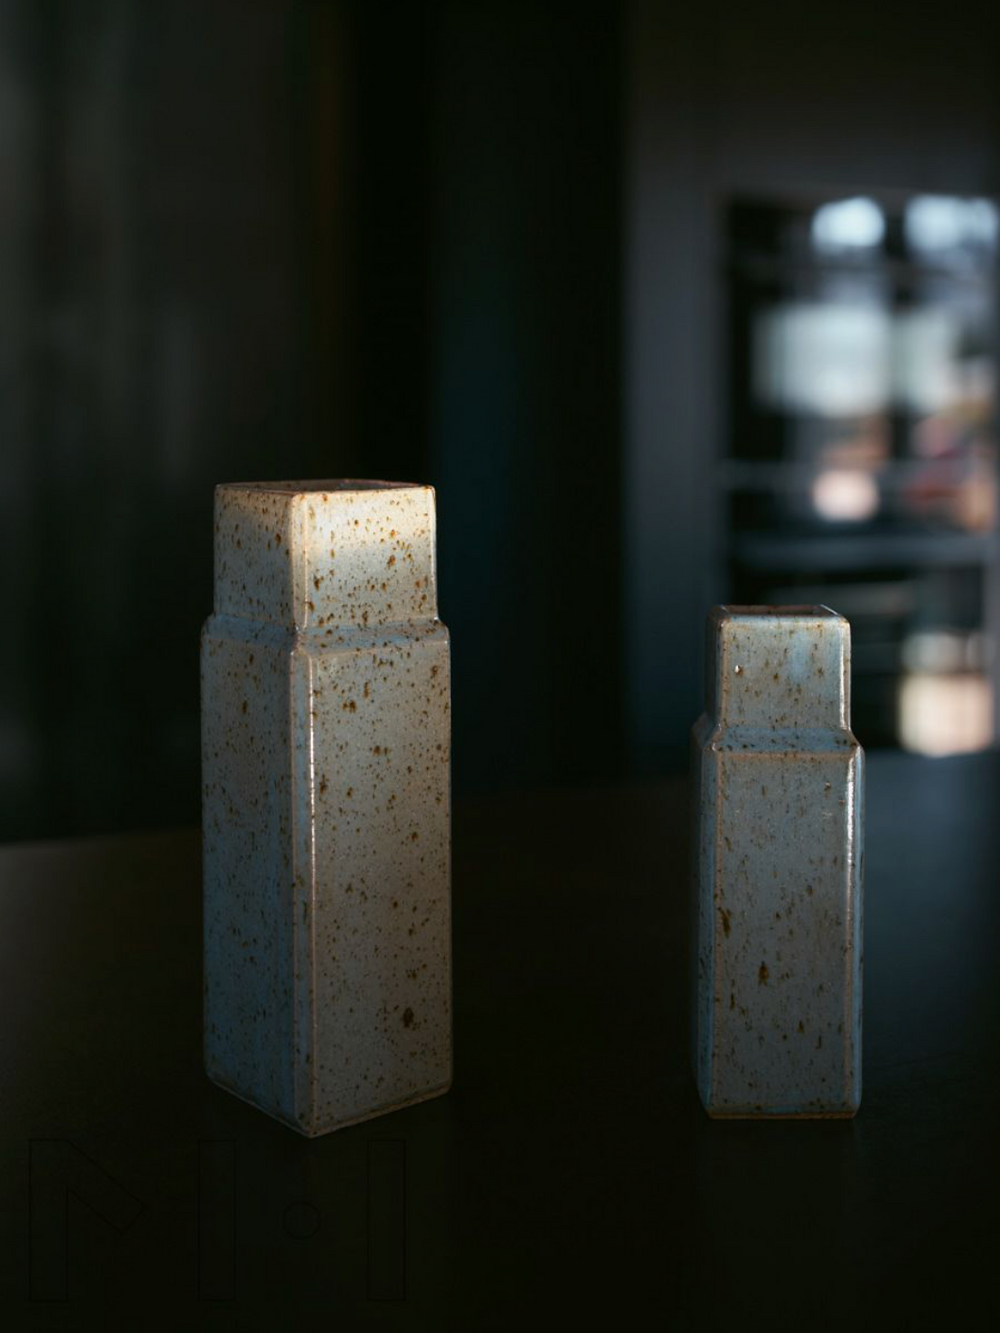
(778, 867)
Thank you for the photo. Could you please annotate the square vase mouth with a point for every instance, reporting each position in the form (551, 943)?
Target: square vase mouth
(330, 486)
(321, 555)
(778, 668)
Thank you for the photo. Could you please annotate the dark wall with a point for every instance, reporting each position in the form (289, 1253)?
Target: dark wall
(474, 245)
(271, 238)
(169, 239)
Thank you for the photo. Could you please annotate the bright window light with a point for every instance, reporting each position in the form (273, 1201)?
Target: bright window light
(946, 714)
(848, 224)
(845, 495)
(830, 359)
(927, 364)
(938, 223)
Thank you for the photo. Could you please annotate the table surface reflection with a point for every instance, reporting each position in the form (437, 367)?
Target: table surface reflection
(571, 1170)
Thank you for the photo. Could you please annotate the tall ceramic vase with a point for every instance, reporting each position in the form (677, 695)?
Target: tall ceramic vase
(326, 802)
(779, 794)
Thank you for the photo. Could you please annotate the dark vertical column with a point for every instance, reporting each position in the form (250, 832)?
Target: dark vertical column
(669, 440)
(322, 92)
(51, 566)
(20, 149)
(388, 181)
(525, 435)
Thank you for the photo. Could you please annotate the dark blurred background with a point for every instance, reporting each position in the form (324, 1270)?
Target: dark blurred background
(670, 308)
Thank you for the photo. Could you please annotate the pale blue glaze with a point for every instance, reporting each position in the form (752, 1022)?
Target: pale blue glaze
(326, 803)
(778, 867)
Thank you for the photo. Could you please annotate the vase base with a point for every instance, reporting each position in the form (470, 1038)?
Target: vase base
(328, 1127)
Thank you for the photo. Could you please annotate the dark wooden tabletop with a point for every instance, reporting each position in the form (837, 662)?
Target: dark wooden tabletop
(571, 1171)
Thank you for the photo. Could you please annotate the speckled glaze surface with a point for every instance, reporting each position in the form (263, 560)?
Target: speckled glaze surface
(779, 865)
(326, 802)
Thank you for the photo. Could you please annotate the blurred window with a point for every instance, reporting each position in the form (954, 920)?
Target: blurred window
(862, 458)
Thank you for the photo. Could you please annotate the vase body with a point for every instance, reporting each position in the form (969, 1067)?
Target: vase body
(778, 790)
(326, 802)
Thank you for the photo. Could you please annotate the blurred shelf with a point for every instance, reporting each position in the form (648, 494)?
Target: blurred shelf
(859, 466)
(849, 551)
(880, 270)
(770, 476)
